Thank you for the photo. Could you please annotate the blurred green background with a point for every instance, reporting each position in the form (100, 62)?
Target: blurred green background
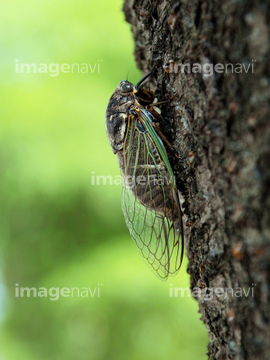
(59, 230)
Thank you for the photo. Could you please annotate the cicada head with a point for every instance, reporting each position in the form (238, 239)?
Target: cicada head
(119, 104)
(122, 98)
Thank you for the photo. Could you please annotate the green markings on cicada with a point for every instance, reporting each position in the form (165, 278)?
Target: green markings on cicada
(150, 199)
(144, 117)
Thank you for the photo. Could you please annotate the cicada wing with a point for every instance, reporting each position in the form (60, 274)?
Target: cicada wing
(155, 235)
(150, 204)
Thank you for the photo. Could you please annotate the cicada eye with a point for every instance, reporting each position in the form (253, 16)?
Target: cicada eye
(126, 87)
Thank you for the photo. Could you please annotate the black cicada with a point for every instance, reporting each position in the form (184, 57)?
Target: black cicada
(150, 198)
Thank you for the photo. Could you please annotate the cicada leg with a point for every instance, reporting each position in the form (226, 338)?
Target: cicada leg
(163, 137)
(160, 103)
(145, 77)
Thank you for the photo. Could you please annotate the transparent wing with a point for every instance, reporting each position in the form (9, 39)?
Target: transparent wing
(150, 201)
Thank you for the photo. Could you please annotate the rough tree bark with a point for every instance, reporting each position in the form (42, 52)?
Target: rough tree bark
(222, 133)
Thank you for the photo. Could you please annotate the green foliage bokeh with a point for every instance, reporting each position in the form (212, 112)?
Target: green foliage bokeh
(57, 228)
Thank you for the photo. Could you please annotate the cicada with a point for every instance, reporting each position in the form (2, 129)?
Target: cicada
(150, 199)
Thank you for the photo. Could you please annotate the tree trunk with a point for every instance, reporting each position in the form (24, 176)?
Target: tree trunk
(221, 131)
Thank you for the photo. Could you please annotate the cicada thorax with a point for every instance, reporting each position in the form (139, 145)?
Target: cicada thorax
(125, 98)
(145, 172)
